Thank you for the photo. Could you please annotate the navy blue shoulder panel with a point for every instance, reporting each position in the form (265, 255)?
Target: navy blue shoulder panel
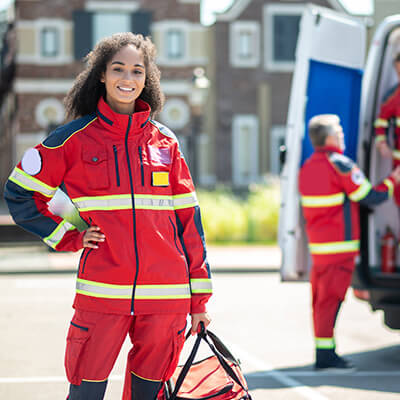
(59, 136)
(342, 163)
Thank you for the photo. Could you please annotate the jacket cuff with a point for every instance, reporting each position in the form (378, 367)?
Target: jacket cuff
(198, 304)
(72, 241)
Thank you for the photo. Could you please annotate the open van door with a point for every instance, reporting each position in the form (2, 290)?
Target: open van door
(330, 57)
(379, 80)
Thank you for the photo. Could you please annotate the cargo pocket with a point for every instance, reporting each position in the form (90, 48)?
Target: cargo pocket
(95, 160)
(78, 334)
(178, 342)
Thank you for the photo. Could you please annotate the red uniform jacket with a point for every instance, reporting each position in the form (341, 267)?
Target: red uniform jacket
(390, 110)
(331, 186)
(125, 174)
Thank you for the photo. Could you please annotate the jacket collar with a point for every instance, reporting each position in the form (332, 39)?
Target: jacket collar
(118, 123)
(328, 149)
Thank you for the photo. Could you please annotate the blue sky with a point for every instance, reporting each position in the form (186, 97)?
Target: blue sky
(362, 7)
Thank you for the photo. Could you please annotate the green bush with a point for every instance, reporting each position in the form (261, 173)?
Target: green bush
(231, 218)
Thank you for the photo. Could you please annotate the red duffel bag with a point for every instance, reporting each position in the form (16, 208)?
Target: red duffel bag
(218, 377)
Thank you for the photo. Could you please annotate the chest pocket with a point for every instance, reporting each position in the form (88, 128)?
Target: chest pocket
(95, 161)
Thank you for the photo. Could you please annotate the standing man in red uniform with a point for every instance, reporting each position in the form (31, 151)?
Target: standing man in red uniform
(331, 186)
(390, 112)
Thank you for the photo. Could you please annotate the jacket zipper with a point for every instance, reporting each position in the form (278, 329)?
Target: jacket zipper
(116, 164)
(133, 215)
(141, 164)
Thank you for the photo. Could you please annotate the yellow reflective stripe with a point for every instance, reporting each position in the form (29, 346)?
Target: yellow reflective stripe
(380, 138)
(334, 247)
(381, 123)
(396, 154)
(201, 285)
(324, 343)
(146, 379)
(105, 290)
(389, 185)
(123, 202)
(323, 201)
(186, 200)
(397, 121)
(142, 202)
(30, 183)
(361, 191)
(55, 237)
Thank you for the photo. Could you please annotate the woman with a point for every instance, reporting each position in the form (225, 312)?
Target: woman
(143, 267)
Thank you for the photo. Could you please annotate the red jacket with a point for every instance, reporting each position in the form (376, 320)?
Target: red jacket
(331, 186)
(125, 174)
(390, 110)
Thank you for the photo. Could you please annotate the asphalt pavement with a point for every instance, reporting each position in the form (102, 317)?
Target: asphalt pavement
(39, 259)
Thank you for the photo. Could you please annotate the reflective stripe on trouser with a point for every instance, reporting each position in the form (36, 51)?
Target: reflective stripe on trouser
(142, 202)
(329, 284)
(325, 343)
(157, 341)
(347, 246)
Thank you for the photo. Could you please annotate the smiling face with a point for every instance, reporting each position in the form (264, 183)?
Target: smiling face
(124, 79)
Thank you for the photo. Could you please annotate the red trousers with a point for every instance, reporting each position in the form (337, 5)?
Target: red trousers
(329, 284)
(94, 341)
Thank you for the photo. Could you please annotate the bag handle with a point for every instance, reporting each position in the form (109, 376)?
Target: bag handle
(189, 361)
(220, 351)
(228, 369)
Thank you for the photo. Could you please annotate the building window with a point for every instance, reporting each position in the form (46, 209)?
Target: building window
(175, 44)
(49, 42)
(244, 44)
(106, 24)
(281, 23)
(245, 168)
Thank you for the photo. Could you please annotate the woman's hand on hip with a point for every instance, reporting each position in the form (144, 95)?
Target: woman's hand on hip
(92, 236)
(196, 319)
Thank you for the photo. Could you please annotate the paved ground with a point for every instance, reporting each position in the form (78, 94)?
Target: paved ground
(266, 324)
(38, 258)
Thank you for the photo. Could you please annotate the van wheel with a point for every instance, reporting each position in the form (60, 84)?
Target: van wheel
(392, 318)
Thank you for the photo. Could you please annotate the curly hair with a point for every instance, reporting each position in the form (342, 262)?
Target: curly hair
(84, 95)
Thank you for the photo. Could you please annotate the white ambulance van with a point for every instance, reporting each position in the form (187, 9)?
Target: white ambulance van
(333, 75)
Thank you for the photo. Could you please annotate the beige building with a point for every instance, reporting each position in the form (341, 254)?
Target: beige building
(8, 124)
(53, 36)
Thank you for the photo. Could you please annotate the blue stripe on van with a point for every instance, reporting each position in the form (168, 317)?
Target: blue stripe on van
(334, 89)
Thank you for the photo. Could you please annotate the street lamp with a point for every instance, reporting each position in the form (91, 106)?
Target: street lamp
(200, 85)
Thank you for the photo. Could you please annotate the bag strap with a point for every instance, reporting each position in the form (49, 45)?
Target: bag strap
(221, 347)
(220, 351)
(228, 369)
(189, 361)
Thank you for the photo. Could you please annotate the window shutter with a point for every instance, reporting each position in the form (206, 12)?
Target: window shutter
(83, 33)
(141, 22)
